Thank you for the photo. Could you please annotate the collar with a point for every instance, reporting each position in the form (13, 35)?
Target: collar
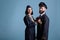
(42, 14)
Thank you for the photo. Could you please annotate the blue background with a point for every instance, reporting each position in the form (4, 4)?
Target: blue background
(12, 12)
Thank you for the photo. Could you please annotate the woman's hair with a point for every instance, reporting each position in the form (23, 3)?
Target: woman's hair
(26, 12)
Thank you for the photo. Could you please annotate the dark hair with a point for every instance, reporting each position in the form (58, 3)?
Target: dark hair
(26, 12)
(42, 4)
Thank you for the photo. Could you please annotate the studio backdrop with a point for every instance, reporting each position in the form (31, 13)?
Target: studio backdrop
(12, 13)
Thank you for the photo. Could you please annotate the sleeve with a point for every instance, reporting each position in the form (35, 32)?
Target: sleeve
(28, 23)
(46, 25)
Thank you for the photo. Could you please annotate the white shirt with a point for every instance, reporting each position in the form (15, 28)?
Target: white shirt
(42, 14)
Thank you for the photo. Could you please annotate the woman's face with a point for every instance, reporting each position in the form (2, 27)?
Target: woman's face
(29, 10)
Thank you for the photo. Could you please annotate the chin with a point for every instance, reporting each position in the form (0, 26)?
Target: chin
(42, 12)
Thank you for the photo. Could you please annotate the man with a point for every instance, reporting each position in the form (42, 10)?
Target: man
(42, 22)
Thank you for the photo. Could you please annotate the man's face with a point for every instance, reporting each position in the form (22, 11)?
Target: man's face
(42, 9)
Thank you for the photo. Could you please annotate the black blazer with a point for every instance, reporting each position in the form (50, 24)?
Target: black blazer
(42, 29)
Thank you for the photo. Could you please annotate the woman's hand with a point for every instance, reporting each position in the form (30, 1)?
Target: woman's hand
(39, 21)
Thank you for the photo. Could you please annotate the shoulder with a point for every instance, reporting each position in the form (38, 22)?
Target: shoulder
(26, 17)
(46, 17)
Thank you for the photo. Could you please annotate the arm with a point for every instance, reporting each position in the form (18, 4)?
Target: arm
(27, 22)
(46, 28)
(38, 20)
(46, 25)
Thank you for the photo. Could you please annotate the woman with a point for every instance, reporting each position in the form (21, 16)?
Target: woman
(30, 24)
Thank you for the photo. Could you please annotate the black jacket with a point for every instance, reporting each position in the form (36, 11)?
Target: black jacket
(30, 28)
(42, 29)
